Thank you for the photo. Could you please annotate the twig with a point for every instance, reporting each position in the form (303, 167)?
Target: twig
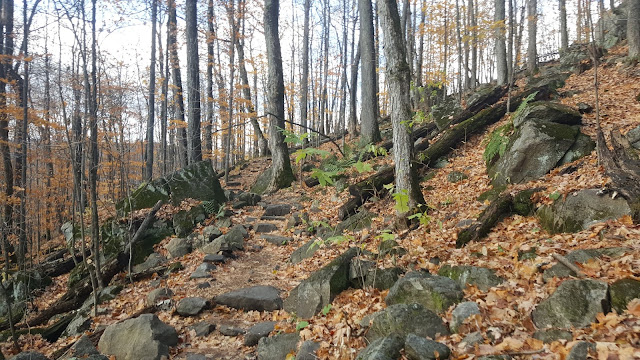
(563, 260)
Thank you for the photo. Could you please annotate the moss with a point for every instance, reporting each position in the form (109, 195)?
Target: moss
(492, 193)
(522, 203)
(262, 182)
(77, 274)
(622, 292)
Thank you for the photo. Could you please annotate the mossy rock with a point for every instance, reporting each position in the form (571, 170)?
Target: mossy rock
(144, 196)
(622, 292)
(492, 193)
(583, 146)
(522, 204)
(404, 319)
(549, 112)
(483, 278)
(185, 220)
(436, 293)
(530, 254)
(262, 182)
(77, 274)
(116, 236)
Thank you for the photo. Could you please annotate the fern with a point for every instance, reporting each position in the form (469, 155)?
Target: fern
(524, 104)
(498, 141)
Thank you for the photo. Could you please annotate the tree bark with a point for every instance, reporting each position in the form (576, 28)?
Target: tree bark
(152, 94)
(177, 83)
(532, 53)
(633, 28)
(369, 110)
(399, 80)
(281, 173)
(564, 34)
(193, 83)
(304, 82)
(501, 48)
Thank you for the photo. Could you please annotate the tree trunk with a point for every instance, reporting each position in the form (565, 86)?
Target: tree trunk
(501, 49)
(633, 28)
(532, 53)
(564, 34)
(177, 83)
(208, 136)
(164, 70)
(399, 79)
(152, 94)
(369, 111)
(474, 44)
(193, 82)
(281, 173)
(353, 93)
(304, 83)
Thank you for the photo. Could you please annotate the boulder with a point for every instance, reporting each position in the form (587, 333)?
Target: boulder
(260, 298)
(307, 350)
(633, 136)
(277, 239)
(249, 198)
(383, 279)
(580, 210)
(191, 306)
(582, 256)
(231, 241)
(575, 303)
(549, 112)
(153, 260)
(203, 328)
(83, 347)
(116, 235)
(29, 355)
(178, 247)
(582, 147)
(141, 338)
(419, 348)
(404, 319)
(214, 258)
(156, 295)
(385, 348)
(197, 181)
(184, 221)
(622, 292)
(203, 271)
(277, 210)
(462, 312)
(277, 347)
(482, 278)
(548, 336)
(257, 332)
(532, 151)
(265, 228)
(581, 351)
(435, 293)
(304, 252)
(319, 289)
(230, 330)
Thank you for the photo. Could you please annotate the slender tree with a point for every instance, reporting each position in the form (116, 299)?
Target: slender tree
(532, 28)
(152, 94)
(633, 28)
(399, 79)
(304, 82)
(172, 37)
(369, 110)
(501, 48)
(193, 82)
(564, 34)
(281, 173)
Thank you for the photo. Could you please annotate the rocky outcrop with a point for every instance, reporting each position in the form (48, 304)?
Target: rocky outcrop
(404, 319)
(580, 210)
(435, 293)
(483, 278)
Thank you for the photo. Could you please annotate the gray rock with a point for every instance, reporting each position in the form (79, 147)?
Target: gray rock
(203, 328)
(404, 319)
(307, 350)
(79, 324)
(297, 219)
(277, 210)
(260, 298)
(580, 210)
(156, 295)
(192, 356)
(533, 150)
(472, 339)
(419, 348)
(462, 312)
(319, 289)
(230, 330)
(178, 247)
(435, 293)
(191, 306)
(153, 260)
(581, 256)
(250, 198)
(456, 176)
(185, 220)
(385, 348)
(581, 350)
(358, 270)
(265, 228)
(548, 111)
(481, 277)
(633, 135)
(582, 147)
(622, 292)
(277, 239)
(257, 332)
(304, 252)
(141, 338)
(575, 303)
(214, 258)
(390, 247)
(29, 355)
(278, 346)
(84, 347)
(383, 279)
(204, 285)
(203, 271)
(225, 243)
(548, 336)
(237, 233)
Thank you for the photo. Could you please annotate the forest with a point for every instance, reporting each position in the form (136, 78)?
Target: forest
(367, 179)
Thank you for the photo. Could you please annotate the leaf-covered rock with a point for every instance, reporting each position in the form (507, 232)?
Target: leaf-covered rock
(435, 293)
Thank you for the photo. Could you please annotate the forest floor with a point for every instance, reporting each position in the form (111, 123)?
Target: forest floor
(505, 309)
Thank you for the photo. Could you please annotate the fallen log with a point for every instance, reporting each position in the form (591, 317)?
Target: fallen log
(76, 296)
(450, 139)
(503, 206)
